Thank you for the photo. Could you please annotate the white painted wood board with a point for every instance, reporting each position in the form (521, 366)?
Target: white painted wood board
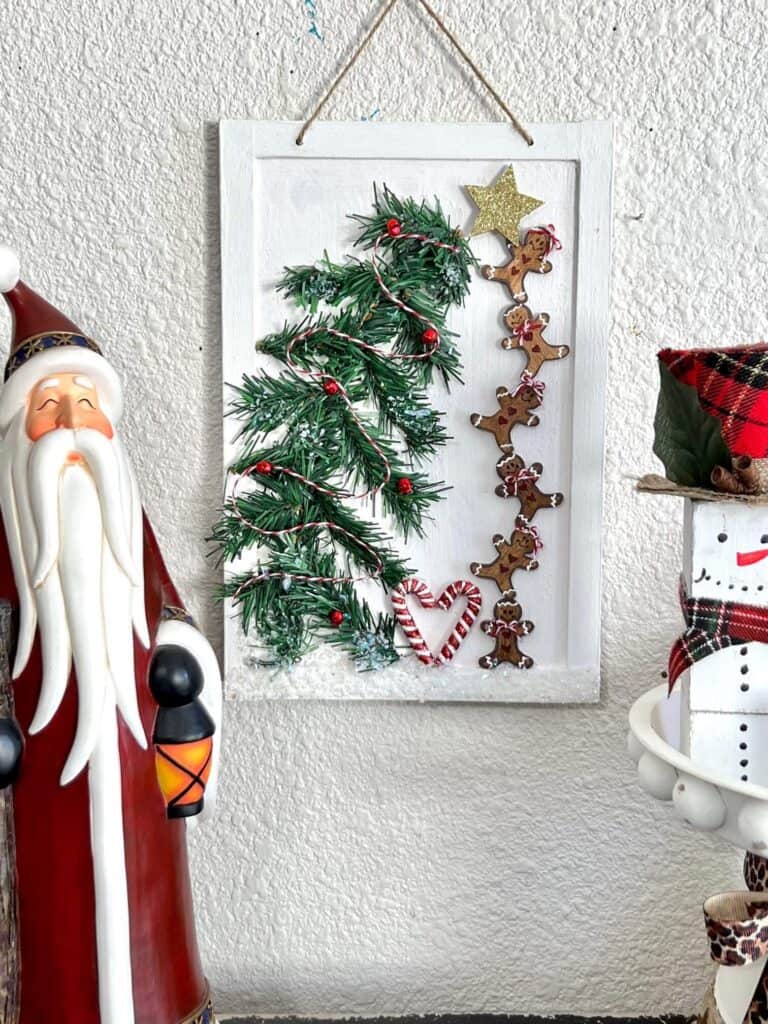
(284, 205)
(725, 694)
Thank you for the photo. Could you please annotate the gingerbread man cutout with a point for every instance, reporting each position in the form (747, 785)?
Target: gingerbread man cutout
(529, 257)
(521, 482)
(516, 553)
(514, 407)
(527, 334)
(506, 628)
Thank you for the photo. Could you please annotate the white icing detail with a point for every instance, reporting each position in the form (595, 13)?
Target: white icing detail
(9, 269)
(83, 382)
(113, 937)
(50, 382)
(184, 635)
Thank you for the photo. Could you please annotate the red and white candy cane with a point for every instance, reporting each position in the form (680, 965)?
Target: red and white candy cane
(432, 339)
(459, 588)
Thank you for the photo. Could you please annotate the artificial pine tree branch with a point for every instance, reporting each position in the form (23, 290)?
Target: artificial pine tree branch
(303, 589)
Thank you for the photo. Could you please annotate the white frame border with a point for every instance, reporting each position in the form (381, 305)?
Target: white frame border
(590, 145)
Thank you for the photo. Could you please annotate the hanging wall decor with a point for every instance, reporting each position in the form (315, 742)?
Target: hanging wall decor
(395, 421)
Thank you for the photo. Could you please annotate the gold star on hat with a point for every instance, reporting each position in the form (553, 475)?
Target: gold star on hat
(501, 207)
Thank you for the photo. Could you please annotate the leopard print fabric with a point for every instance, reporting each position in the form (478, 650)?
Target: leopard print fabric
(756, 877)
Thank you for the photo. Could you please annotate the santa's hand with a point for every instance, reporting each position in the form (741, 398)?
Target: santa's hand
(175, 676)
(11, 750)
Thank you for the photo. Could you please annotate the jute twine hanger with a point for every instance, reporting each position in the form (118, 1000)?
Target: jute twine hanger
(385, 11)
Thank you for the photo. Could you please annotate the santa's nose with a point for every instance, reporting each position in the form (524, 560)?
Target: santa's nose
(69, 415)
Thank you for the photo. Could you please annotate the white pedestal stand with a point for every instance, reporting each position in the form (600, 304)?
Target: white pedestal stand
(737, 811)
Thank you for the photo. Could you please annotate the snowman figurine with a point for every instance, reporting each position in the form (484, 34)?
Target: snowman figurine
(722, 667)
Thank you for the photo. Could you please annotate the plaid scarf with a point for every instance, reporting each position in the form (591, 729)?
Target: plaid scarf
(712, 625)
(731, 384)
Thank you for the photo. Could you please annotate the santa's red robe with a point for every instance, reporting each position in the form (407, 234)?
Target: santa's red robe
(57, 923)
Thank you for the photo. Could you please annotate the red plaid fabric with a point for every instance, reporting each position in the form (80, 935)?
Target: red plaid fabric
(732, 384)
(712, 625)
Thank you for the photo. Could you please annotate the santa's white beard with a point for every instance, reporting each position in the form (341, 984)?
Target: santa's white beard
(74, 531)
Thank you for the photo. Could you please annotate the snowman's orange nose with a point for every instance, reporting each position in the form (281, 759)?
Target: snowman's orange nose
(750, 557)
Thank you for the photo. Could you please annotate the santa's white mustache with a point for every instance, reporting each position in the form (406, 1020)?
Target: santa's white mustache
(48, 457)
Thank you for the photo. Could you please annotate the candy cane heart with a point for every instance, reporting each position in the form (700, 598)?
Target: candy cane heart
(461, 628)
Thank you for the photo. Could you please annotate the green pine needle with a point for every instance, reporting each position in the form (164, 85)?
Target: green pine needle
(290, 421)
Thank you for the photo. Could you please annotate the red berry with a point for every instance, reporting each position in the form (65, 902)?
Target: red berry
(331, 387)
(394, 228)
(404, 485)
(336, 617)
(264, 467)
(429, 336)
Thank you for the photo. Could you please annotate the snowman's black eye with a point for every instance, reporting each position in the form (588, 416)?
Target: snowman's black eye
(723, 537)
(764, 539)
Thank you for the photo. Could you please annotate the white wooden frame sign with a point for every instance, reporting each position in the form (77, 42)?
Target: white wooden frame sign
(283, 205)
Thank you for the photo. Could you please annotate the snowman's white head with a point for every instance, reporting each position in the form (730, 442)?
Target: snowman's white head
(729, 557)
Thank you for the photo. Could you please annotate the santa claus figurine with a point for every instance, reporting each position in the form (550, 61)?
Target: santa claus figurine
(117, 698)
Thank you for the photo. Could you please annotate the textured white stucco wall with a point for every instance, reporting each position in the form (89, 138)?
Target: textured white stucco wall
(371, 858)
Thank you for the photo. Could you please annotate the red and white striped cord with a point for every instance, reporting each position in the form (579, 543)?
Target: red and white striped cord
(529, 381)
(341, 392)
(519, 476)
(459, 588)
(533, 532)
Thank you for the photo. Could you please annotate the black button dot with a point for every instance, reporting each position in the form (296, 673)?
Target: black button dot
(744, 763)
(743, 727)
(744, 778)
(760, 586)
(722, 537)
(743, 650)
(744, 669)
(742, 746)
(764, 539)
(744, 687)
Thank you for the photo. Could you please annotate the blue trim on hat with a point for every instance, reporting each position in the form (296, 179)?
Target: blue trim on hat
(42, 342)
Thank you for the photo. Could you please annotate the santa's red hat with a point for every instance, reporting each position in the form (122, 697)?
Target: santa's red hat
(43, 343)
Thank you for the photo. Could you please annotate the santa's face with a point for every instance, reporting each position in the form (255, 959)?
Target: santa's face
(68, 400)
(73, 521)
(730, 552)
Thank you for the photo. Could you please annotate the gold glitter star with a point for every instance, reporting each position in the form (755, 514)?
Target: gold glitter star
(501, 207)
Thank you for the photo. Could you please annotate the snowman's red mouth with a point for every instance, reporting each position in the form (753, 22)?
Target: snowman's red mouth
(750, 557)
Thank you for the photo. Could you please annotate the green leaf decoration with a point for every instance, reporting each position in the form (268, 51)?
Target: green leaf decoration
(687, 439)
